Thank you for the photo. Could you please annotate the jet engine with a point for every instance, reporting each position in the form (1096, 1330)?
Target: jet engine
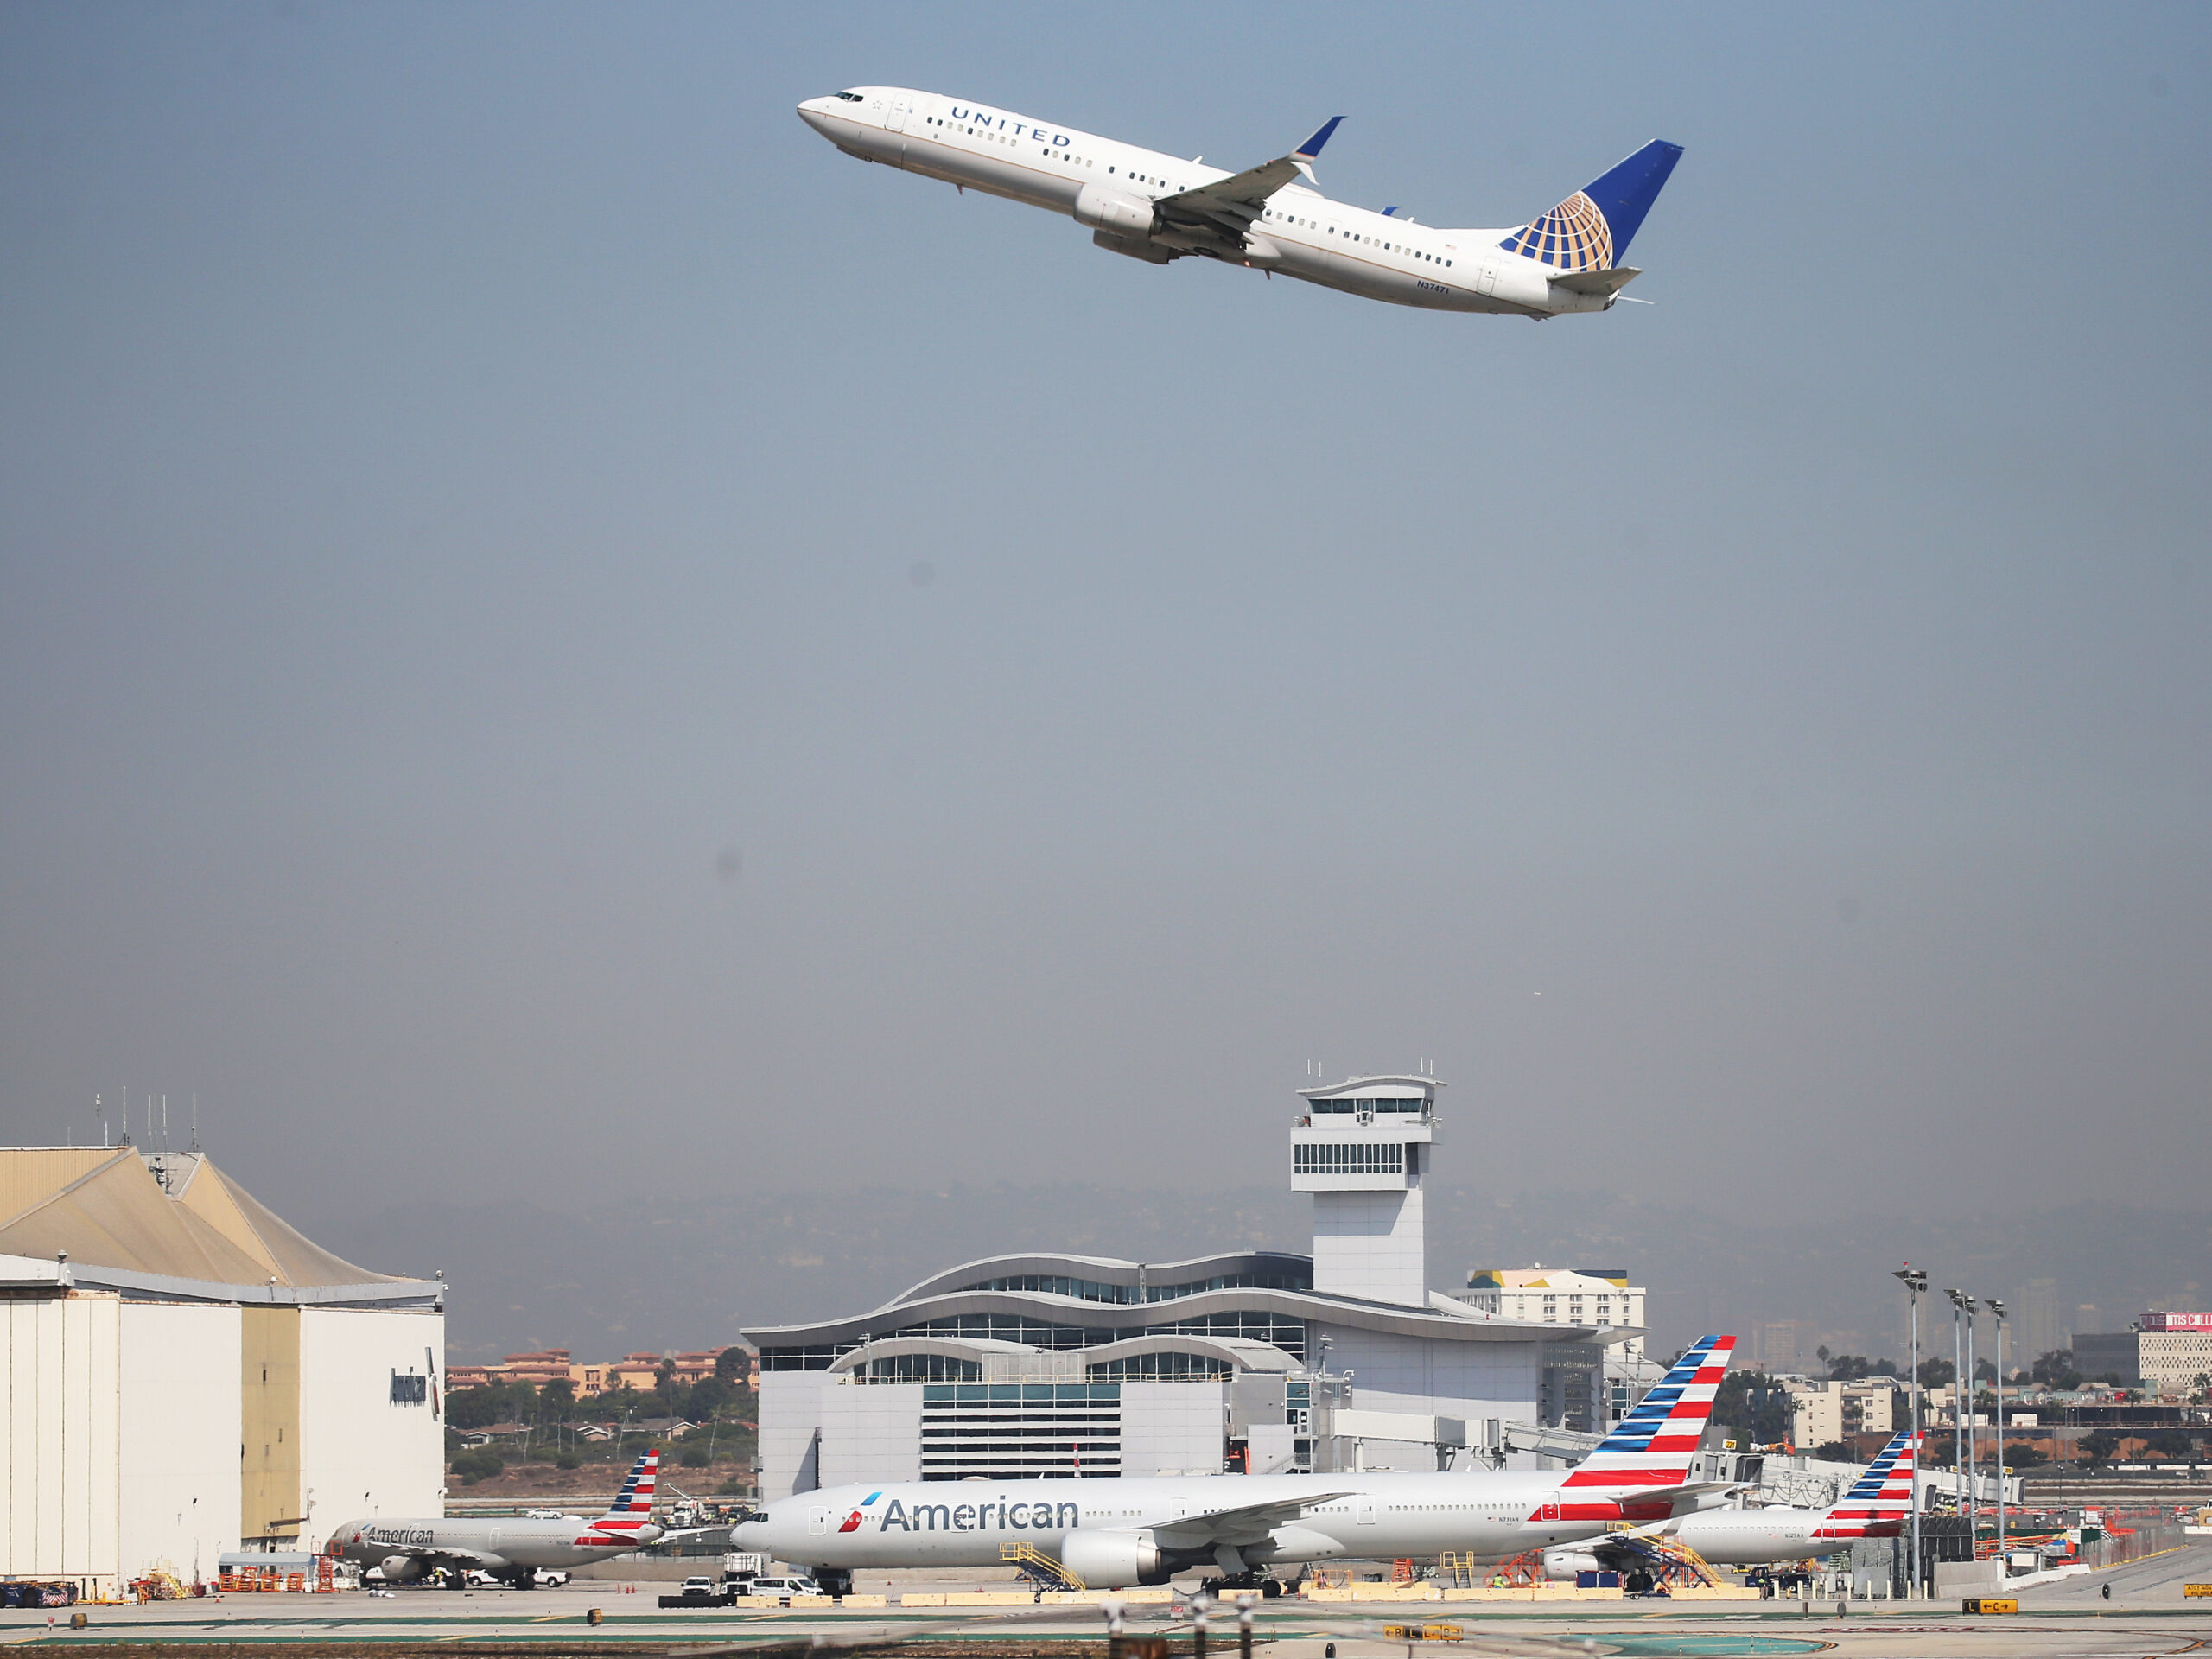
(1151, 252)
(1565, 1562)
(1112, 1560)
(1115, 211)
(397, 1569)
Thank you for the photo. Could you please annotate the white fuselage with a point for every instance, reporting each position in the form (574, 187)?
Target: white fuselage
(1746, 1537)
(494, 1543)
(965, 1523)
(1305, 235)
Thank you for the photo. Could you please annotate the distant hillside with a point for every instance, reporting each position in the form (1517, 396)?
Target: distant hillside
(657, 1274)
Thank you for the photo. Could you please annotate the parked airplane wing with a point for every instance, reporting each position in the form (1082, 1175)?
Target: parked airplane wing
(450, 1556)
(1245, 1523)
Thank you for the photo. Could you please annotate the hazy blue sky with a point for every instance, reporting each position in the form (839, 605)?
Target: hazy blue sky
(558, 636)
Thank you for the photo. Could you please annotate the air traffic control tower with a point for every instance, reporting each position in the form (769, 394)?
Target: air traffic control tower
(1361, 1150)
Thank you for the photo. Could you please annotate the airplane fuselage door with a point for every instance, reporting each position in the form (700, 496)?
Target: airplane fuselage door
(817, 1523)
(1362, 1509)
(901, 107)
(1486, 275)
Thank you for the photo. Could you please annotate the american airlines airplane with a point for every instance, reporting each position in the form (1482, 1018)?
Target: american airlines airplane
(1271, 218)
(503, 1546)
(1876, 1506)
(1116, 1532)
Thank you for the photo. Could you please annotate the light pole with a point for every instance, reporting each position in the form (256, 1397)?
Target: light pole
(1998, 1308)
(1960, 1303)
(1914, 1282)
(1974, 1436)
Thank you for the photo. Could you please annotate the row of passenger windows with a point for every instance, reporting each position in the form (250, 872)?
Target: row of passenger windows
(1007, 139)
(1353, 236)
(1148, 178)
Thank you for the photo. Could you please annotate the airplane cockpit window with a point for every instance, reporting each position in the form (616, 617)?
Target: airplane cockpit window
(851, 97)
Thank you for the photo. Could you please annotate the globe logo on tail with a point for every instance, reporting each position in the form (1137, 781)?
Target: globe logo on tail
(1573, 236)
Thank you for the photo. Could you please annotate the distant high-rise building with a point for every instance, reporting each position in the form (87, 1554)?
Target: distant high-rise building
(2038, 1327)
(2086, 1318)
(1784, 1345)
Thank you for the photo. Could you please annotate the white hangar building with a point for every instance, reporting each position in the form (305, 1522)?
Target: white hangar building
(1051, 1365)
(184, 1373)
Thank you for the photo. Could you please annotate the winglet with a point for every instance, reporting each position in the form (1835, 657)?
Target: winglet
(1312, 147)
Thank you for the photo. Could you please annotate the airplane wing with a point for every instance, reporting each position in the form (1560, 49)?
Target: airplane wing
(1217, 215)
(1674, 1496)
(1247, 1523)
(444, 1556)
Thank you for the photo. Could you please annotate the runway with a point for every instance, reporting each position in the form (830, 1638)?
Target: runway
(2146, 1616)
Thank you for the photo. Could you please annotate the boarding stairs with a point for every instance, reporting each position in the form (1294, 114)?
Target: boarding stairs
(1040, 1569)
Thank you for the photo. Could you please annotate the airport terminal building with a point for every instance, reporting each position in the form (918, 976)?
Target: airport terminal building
(1040, 1365)
(185, 1373)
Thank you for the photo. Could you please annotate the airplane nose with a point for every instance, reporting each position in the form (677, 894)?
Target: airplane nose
(815, 116)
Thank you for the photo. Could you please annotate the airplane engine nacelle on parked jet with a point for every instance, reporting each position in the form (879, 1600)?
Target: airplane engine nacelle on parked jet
(1112, 1560)
(1115, 211)
(1566, 1563)
(397, 1569)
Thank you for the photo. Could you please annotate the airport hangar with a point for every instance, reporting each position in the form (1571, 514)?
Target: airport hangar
(1043, 1364)
(186, 1374)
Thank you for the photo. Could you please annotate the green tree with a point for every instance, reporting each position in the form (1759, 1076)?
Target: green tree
(2055, 1370)
(1753, 1406)
(557, 1401)
(2024, 1457)
(495, 1402)
(1935, 1373)
(2099, 1446)
(479, 1464)
(732, 1367)
(706, 1399)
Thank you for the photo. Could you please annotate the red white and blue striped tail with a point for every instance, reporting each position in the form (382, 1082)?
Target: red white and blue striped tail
(633, 1504)
(1652, 1446)
(1880, 1500)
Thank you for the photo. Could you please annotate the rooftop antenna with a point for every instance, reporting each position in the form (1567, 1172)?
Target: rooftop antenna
(165, 1122)
(100, 1112)
(195, 1122)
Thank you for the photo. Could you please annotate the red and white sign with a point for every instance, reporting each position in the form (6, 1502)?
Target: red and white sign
(2177, 1321)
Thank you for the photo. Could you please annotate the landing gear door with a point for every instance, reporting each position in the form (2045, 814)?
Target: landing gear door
(901, 107)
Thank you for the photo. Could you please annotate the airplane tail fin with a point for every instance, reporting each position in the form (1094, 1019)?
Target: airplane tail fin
(1652, 1446)
(1592, 229)
(633, 1504)
(1880, 1500)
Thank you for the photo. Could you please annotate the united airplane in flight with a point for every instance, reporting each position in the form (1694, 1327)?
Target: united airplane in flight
(1271, 218)
(1115, 1532)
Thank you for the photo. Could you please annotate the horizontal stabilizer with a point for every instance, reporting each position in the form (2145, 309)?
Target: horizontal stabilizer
(1610, 281)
